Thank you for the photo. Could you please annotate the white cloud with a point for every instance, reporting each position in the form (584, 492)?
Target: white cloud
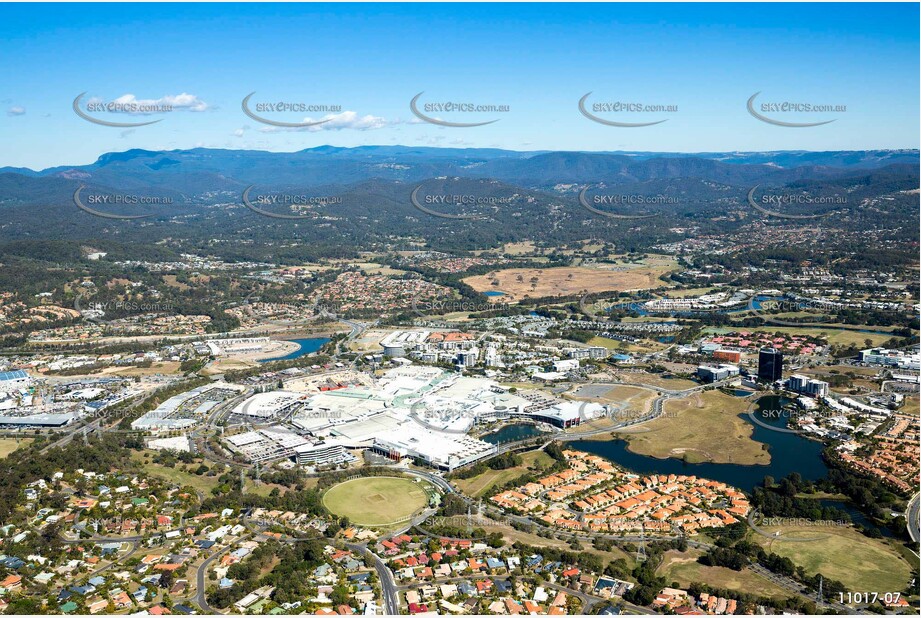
(339, 122)
(438, 140)
(130, 104)
(16, 110)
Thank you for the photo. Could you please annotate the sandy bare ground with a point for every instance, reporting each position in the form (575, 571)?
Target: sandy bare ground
(273, 349)
(517, 283)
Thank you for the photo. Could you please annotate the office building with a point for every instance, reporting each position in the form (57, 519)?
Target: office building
(770, 365)
(891, 358)
(807, 386)
(709, 375)
(569, 364)
(467, 358)
(322, 454)
(730, 356)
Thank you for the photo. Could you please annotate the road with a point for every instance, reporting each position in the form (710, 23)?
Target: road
(201, 584)
(116, 539)
(784, 582)
(389, 587)
(911, 516)
(384, 574)
(117, 560)
(79, 429)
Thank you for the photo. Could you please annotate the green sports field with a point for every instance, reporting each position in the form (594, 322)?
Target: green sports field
(376, 500)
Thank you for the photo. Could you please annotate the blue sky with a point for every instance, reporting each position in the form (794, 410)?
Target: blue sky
(538, 59)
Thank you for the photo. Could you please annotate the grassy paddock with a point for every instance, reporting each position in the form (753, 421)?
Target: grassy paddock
(9, 445)
(842, 553)
(835, 334)
(690, 427)
(684, 569)
(481, 484)
(177, 475)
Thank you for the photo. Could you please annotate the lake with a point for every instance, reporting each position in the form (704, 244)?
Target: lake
(789, 453)
(306, 347)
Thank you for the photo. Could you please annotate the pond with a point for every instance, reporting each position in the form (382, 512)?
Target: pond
(512, 433)
(738, 392)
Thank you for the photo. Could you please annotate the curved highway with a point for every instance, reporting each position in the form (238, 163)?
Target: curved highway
(912, 517)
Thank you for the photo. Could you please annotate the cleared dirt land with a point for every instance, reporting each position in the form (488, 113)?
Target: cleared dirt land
(517, 283)
(689, 428)
(842, 553)
(659, 381)
(638, 398)
(632, 402)
(684, 569)
(370, 340)
(375, 500)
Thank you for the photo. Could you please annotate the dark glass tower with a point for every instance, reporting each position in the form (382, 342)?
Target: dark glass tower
(770, 365)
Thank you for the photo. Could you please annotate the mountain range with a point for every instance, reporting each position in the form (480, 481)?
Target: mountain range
(373, 185)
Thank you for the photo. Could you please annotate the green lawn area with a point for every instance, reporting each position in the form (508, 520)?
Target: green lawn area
(481, 484)
(684, 569)
(8, 445)
(841, 553)
(376, 500)
(704, 426)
